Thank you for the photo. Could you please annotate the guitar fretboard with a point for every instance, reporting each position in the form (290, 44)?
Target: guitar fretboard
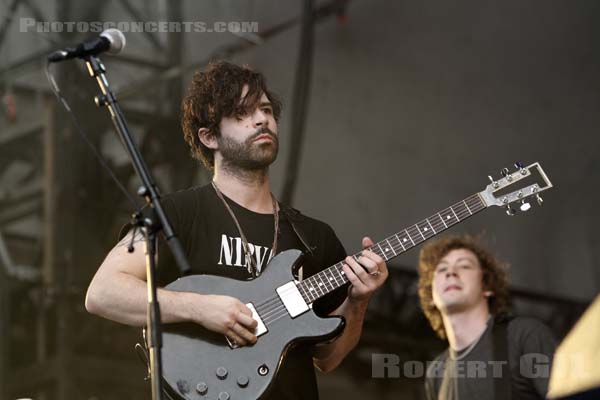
(328, 280)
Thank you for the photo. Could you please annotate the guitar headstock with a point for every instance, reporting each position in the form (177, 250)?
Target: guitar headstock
(517, 188)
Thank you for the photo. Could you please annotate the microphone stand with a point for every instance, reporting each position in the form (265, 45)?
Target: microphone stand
(150, 223)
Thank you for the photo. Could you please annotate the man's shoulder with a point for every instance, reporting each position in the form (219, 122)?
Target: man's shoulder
(309, 223)
(525, 324)
(521, 329)
(190, 194)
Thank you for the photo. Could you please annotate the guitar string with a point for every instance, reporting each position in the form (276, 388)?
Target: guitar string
(460, 214)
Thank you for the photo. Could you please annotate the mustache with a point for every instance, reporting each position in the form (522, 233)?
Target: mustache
(262, 131)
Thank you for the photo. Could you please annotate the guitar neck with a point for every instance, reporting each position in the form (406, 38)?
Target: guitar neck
(328, 280)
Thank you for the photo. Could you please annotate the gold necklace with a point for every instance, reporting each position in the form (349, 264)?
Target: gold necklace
(250, 261)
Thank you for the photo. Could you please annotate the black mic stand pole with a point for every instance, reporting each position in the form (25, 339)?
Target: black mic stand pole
(150, 223)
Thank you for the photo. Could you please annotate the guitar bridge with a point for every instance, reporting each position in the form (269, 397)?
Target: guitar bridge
(260, 329)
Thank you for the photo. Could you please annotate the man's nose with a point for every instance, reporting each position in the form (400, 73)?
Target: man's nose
(260, 118)
(451, 271)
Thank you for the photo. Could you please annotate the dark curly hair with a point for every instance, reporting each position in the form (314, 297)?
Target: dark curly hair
(494, 276)
(215, 93)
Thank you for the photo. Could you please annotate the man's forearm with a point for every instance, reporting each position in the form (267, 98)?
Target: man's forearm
(125, 300)
(328, 357)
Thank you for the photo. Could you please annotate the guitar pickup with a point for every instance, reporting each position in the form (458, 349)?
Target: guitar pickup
(292, 299)
(260, 329)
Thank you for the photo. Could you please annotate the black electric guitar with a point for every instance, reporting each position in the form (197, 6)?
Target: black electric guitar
(199, 364)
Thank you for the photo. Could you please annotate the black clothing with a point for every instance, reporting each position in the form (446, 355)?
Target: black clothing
(471, 374)
(213, 246)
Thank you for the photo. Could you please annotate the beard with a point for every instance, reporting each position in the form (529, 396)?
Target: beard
(248, 155)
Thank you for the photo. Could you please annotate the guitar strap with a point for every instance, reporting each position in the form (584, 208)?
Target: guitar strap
(295, 217)
(502, 386)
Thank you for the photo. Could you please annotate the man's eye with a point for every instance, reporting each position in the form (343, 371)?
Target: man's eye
(267, 110)
(442, 269)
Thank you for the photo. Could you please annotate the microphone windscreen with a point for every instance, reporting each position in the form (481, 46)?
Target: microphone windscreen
(116, 39)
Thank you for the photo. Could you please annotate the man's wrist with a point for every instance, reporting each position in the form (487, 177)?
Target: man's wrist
(359, 303)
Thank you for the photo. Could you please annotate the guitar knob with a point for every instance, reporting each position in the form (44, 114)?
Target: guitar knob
(221, 373)
(223, 396)
(202, 388)
(243, 381)
(510, 211)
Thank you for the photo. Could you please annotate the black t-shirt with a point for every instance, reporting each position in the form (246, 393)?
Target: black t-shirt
(213, 246)
(469, 374)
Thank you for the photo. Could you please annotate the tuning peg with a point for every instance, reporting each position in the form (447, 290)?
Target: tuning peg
(494, 182)
(525, 205)
(510, 211)
(521, 168)
(505, 173)
(539, 199)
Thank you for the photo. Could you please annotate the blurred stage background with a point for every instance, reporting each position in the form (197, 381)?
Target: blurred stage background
(408, 107)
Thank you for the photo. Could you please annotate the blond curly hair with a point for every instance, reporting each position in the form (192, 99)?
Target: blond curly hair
(494, 276)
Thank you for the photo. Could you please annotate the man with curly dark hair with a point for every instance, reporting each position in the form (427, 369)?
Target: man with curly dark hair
(232, 227)
(463, 291)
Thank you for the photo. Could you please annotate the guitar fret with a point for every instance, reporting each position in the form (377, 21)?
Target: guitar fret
(312, 289)
(322, 283)
(468, 209)
(400, 241)
(437, 226)
(382, 255)
(424, 230)
(454, 212)
(391, 247)
(442, 219)
(340, 274)
(302, 291)
(330, 279)
(420, 233)
(475, 203)
(434, 232)
(411, 239)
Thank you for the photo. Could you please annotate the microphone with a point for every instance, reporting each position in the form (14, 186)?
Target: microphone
(111, 40)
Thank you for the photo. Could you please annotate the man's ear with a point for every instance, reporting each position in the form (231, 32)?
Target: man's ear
(207, 138)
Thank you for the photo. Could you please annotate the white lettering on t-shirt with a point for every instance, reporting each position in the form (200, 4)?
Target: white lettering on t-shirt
(226, 249)
(232, 254)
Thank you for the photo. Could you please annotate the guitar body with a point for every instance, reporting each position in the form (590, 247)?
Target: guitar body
(193, 357)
